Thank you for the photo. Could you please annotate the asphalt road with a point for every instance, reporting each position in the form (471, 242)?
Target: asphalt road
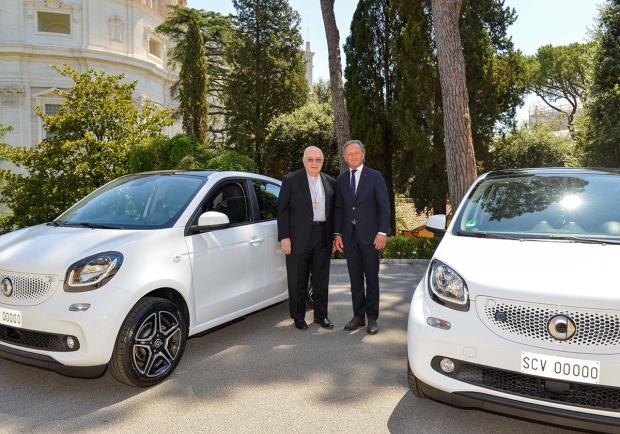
(261, 375)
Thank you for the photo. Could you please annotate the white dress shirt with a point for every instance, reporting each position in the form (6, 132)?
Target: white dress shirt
(317, 194)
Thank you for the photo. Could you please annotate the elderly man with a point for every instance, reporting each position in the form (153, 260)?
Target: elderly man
(361, 224)
(305, 210)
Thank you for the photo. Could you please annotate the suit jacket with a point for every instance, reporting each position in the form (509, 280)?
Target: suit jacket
(295, 213)
(370, 208)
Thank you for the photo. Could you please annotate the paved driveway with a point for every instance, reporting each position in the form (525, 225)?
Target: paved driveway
(261, 375)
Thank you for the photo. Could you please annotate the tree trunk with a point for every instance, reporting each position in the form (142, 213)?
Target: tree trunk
(341, 117)
(460, 157)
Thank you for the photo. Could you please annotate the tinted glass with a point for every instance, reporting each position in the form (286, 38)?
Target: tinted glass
(267, 196)
(136, 202)
(544, 206)
(232, 200)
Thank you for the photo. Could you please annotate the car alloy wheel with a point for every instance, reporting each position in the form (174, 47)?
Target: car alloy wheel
(310, 295)
(156, 344)
(150, 343)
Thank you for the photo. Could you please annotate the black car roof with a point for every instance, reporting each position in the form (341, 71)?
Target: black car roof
(553, 171)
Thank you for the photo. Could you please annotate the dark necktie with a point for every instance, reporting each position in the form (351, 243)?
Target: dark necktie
(353, 182)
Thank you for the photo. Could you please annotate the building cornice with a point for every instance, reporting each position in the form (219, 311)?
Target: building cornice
(60, 55)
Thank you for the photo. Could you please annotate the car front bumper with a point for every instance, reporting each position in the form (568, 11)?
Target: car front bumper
(470, 344)
(95, 329)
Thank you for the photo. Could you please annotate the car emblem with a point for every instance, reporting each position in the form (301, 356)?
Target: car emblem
(7, 287)
(561, 327)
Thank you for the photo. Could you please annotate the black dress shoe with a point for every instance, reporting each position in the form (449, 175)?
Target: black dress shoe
(300, 324)
(372, 328)
(325, 323)
(355, 323)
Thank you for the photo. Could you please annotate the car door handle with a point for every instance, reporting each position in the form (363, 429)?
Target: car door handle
(256, 241)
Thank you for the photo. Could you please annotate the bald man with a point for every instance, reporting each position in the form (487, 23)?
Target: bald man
(305, 227)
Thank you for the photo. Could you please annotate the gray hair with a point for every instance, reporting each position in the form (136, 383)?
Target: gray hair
(312, 148)
(354, 142)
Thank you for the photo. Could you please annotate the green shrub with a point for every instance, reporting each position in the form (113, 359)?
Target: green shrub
(406, 248)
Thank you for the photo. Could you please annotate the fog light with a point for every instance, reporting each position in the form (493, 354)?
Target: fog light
(79, 307)
(446, 365)
(71, 343)
(439, 323)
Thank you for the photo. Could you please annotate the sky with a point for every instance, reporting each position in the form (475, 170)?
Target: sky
(539, 22)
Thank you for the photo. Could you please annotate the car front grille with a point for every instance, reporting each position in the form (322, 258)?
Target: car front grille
(28, 289)
(596, 330)
(35, 339)
(515, 383)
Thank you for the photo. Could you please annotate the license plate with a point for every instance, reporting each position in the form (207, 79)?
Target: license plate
(11, 317)
(561, 368)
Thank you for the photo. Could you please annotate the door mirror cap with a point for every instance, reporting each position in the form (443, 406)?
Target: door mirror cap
(436, 224)
(211, 220)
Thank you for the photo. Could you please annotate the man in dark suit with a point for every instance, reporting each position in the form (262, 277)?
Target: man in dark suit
(361, 224)
(305, 227)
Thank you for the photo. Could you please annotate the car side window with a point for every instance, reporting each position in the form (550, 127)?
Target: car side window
(231, 199)
(267, 197)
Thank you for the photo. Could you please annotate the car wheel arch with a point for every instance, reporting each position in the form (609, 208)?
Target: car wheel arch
(175, 297)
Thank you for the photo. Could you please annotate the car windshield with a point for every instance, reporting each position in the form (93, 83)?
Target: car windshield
(580, 207)
(135, 202)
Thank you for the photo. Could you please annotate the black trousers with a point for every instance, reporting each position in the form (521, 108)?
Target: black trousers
(363, 265)
(316, 259)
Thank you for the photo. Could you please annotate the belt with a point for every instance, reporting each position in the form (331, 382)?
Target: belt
(318, 223)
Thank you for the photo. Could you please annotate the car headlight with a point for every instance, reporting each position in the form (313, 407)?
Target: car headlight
(448, 287)
(92, 272)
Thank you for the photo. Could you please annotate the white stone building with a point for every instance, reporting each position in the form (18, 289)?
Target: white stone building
(117, 36)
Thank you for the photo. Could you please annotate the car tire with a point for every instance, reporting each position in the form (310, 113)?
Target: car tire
(414, 383)
(309, 295)
(150, 343)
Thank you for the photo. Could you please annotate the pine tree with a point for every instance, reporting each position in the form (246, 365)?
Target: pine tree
(267, 72)
(603, 100)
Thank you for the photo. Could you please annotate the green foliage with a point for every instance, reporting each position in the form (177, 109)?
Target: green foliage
(394, 96)
(231, 160)
(410, 248)
(535, 146)
(321, 93)
(267, 72)
(601, 140)
(90, 140)
(289, 134)
(560, 74)
(191, 31)
(162, 153)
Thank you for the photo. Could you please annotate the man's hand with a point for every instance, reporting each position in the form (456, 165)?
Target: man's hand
(380, 241)
(338, 243)
(285, 245)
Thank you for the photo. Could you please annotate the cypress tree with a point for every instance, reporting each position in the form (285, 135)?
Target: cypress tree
(603, 100)
(267, 72)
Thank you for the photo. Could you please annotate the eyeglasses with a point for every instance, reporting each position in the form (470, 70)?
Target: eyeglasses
(314, 160)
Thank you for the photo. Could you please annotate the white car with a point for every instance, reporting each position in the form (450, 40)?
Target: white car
(519, 310)
(124, 276)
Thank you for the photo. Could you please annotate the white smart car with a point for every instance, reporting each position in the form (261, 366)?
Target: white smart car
(519, 310)
(129, 272)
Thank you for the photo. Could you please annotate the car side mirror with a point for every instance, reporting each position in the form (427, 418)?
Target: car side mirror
(436, 224)
(211, 220)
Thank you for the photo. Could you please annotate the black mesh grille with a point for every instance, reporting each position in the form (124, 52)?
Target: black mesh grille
(34, 339)
(583, 395)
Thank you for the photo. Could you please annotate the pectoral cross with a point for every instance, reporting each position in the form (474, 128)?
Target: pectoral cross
(315, 203)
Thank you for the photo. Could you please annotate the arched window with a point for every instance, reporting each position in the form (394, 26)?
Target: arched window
(52, 22)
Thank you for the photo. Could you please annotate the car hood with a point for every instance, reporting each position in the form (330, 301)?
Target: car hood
(549, 272)
(50, 250)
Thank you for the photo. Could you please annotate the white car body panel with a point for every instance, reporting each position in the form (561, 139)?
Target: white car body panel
(221, 275)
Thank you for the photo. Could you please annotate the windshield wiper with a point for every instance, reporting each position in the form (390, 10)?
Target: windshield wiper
(489, 235)
(54, 223)
(94, 225)
(580, 239)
